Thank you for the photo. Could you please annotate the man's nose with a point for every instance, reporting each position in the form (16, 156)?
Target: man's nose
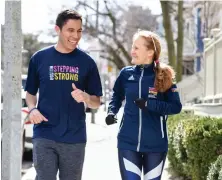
(75, 35)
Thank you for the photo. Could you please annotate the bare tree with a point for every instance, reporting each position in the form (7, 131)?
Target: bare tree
(176, 10)
(106, 27)
(31, 45)
(180, 38)
(168, 32)
(114, 25)
(210, 14)
(137, 18)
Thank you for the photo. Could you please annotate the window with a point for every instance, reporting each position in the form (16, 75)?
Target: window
(23, 83)
(188, 67)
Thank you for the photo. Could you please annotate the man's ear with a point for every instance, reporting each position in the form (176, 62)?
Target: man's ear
(57, 29)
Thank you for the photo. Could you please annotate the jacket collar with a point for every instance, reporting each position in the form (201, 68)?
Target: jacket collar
(149, 69)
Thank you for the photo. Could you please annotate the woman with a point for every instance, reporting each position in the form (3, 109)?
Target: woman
(150, 95)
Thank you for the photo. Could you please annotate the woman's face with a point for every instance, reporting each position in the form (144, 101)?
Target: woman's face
(140, 53)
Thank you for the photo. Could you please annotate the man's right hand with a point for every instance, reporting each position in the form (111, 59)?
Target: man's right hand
(35, 117)
(110, 119)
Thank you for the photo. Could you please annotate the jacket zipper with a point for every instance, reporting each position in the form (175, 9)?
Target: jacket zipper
(140, 111)
(161, 123)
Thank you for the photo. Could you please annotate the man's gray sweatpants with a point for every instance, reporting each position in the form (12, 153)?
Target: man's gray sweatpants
(50, 156)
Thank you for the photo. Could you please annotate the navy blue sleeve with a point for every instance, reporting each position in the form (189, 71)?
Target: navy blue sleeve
(118, 95)
(171, 105)
(32, 84)
(94, 86)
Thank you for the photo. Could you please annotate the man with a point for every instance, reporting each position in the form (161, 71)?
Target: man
(66, 78)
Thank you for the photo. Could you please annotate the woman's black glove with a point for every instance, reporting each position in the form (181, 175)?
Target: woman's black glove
(141, 103)
(110, 119)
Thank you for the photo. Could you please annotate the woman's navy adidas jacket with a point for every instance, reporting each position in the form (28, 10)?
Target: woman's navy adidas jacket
(143, 130)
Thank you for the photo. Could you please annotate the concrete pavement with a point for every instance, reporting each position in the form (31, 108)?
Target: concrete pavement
(101, 161)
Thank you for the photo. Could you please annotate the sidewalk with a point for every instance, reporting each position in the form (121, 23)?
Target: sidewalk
(101, 161)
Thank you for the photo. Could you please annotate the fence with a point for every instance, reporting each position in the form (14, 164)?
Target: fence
(213, 68)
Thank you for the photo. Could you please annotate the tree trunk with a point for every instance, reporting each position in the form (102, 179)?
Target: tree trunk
(180, 42)
(168, 33)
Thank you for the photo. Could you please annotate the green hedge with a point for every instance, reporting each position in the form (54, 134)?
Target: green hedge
(215, 172)
(194, 143)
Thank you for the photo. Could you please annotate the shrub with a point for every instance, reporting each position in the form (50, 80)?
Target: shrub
(194, 143)
(215, 172)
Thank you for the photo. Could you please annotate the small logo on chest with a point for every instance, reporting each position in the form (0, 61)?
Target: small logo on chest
(131, 78)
